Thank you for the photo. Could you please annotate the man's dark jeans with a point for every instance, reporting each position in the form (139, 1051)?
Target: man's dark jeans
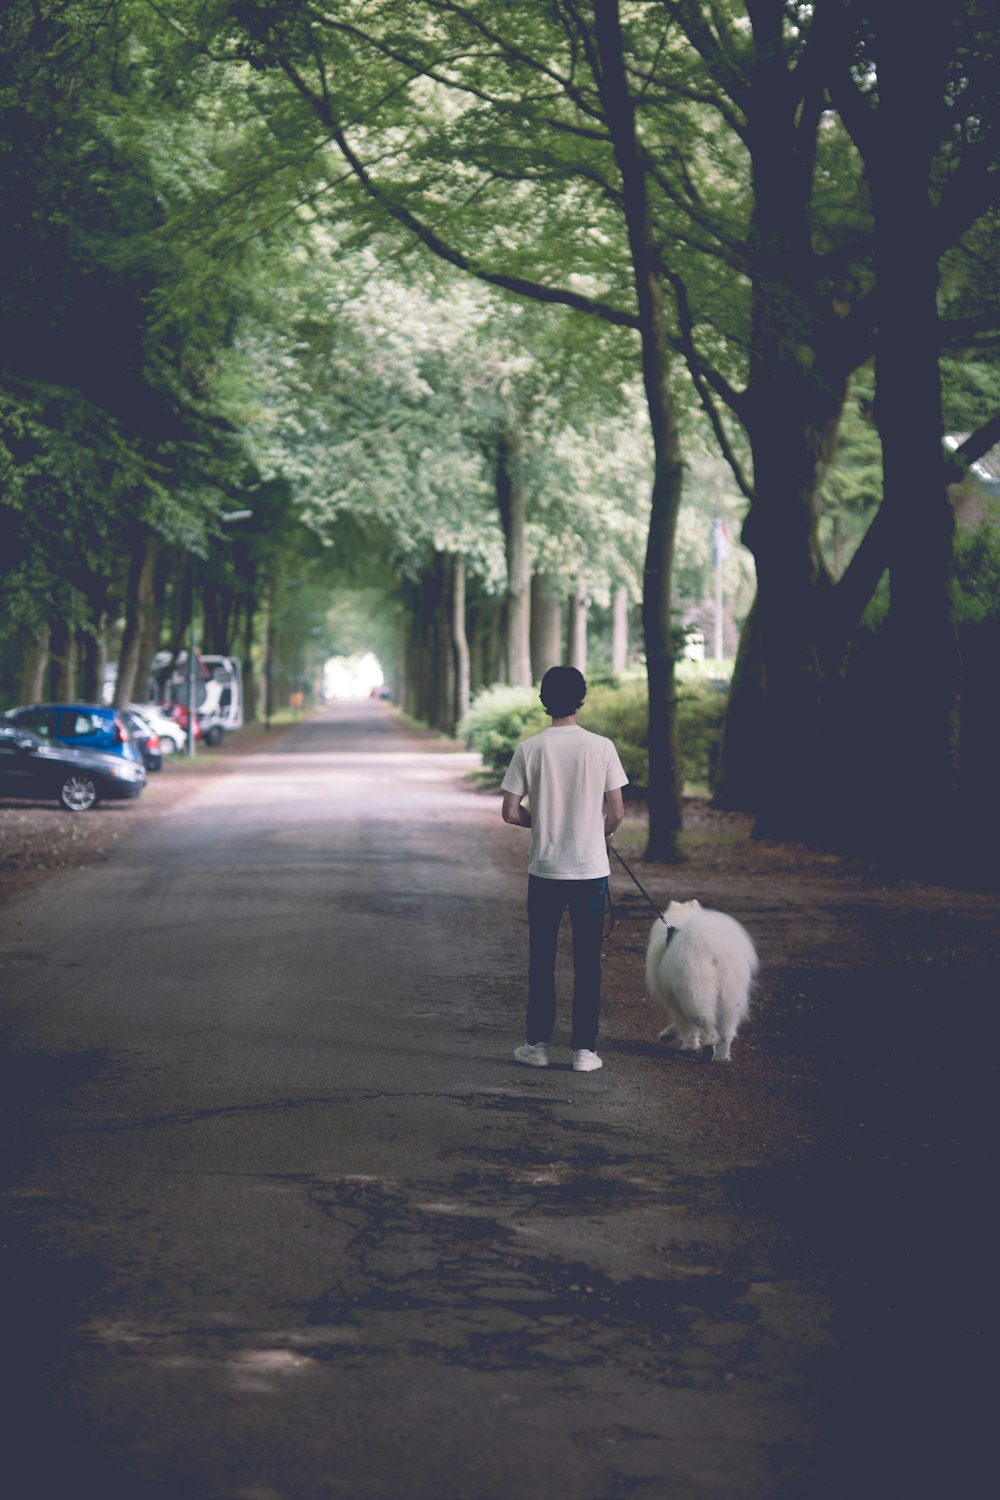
(547, 900)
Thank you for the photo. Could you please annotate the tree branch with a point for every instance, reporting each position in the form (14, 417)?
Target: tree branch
(691, 19)
(975, 447)
(505, 48)
(519, 107)
(967, 195)
(970, 333)
(847, 601)
(536, 291)
(704, 381)
(673, 92)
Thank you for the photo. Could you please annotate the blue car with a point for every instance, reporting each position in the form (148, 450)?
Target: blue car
(79, 726)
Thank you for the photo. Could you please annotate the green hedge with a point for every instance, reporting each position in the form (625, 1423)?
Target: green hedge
(497, 719)
(501, 716)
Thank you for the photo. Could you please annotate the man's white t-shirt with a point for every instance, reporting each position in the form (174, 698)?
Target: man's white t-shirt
(564, 774)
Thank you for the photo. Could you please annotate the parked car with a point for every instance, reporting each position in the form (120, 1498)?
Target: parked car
(172, 736)
(80, 726)
(78, 778)
(178, 716)
(145, 737)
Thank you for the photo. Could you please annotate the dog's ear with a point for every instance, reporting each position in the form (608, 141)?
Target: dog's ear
(696, 905)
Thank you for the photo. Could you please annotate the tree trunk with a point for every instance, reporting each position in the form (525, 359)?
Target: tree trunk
(62, 662)
(791, 588)
(792, 409)
(267, 637)
(36, 666)
(576, 634)
(619, 630)
(93, 657)
(401, 684)
(546, 626)
(217, 613)
(484, 641)
(512, 502)
(740, 770)
(149, 644)
(138, 601)
(917, 775)
(420, 672)
(460, 640)
(664, 761)
(250, 691)
(440, 585)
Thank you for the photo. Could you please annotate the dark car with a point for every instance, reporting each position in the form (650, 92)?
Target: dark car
(145, 738)
(78, 779)
(80, 726)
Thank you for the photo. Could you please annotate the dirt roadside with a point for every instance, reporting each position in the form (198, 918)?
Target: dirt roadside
(39, 839)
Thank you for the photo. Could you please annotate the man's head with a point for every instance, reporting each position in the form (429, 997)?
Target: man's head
(562, 692)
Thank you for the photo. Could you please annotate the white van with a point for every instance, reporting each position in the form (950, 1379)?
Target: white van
(224, 692)
(218, 690)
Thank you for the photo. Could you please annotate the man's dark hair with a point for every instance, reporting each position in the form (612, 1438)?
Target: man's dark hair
(562, 692)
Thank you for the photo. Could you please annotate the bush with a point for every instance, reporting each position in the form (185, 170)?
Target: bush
(977, 569)
(701, 719)
(500, 717)
(621, 713)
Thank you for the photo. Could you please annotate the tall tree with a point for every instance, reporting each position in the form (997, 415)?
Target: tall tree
(108, 425)
(924, 124)
(780, 195)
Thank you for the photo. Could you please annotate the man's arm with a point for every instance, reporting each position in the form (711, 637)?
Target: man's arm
(513, 812)
(614, 811)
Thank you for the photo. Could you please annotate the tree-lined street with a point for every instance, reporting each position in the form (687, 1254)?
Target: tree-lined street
(409, 348)
(483, 319)
(285, 1220)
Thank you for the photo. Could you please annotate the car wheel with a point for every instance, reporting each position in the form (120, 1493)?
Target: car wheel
(79, 792)
(213, 736)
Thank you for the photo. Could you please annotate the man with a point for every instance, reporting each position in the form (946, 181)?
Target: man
(572, 780)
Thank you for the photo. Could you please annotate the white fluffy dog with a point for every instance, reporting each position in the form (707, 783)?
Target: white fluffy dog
(700, 967)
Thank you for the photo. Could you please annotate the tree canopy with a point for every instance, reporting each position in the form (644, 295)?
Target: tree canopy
(469, 303)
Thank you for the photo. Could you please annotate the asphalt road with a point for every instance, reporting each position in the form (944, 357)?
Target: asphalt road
(284, 1220)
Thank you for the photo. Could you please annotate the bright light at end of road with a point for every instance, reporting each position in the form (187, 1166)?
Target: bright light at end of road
(352, 676)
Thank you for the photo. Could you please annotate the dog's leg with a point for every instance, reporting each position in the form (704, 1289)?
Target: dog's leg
(669, 1033)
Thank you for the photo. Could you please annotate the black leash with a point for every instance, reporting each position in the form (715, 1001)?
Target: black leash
(636, 881)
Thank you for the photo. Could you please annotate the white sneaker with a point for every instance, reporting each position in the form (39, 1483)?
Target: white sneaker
(535, 1054)
(586, 1062)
